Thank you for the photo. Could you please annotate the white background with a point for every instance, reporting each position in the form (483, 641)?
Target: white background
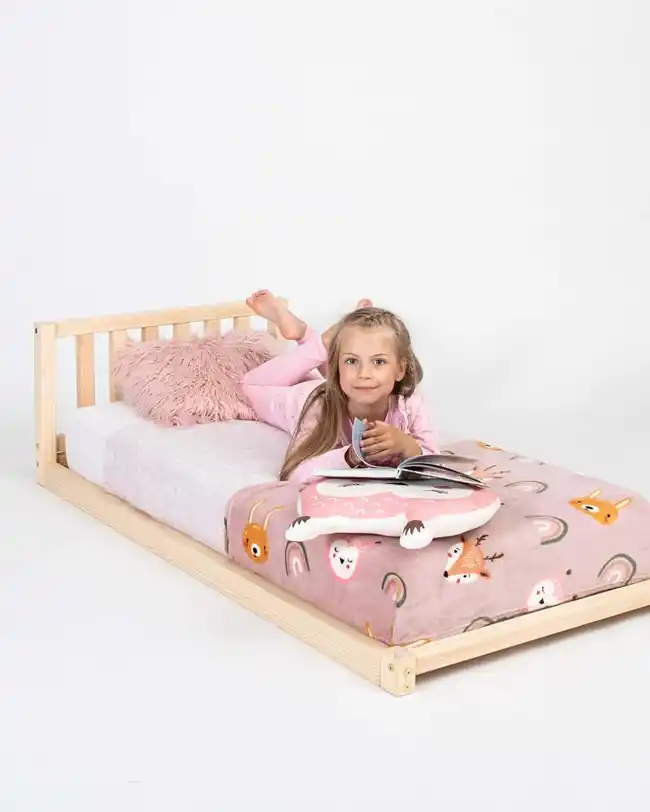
(481, 167)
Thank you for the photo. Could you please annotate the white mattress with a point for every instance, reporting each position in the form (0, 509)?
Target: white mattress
(181, 476)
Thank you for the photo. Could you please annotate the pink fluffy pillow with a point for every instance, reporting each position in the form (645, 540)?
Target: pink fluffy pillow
(181, 382)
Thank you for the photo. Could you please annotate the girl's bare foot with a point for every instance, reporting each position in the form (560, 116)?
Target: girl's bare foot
(364, 303)
(269, 307)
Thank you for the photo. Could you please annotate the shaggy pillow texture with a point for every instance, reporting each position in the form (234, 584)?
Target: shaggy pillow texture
(182, 382)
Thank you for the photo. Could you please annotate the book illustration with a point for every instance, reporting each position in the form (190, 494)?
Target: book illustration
(438, 467)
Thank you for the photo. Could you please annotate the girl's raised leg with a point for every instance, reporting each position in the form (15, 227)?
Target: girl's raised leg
(278, 388)
(291, 328)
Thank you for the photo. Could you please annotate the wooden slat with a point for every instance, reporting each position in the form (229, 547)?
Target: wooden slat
(153, 318)
(60, 450)
(85, 369)
(45, 397)
(242, 323)
(182, 330)
(212, 326)
(150, 333)
(116, 340)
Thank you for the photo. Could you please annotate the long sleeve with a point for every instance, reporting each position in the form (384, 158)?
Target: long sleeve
(334, 459)
(278, 389)
(292, 367)
(420, 425)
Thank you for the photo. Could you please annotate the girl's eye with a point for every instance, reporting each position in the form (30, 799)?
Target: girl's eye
(350, 360)
(380, 361)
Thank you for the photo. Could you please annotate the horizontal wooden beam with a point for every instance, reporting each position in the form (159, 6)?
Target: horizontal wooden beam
(532, 626)
(151, 318)
(368, 658)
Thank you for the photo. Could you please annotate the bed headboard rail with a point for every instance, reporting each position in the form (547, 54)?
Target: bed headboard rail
(147, 325)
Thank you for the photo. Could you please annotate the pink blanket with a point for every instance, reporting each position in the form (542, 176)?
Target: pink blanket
(559, 536)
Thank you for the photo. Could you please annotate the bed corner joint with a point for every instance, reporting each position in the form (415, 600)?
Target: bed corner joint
(398, 671)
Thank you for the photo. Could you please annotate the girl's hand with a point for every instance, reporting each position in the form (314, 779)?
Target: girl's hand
(382, 440)
(351, 458)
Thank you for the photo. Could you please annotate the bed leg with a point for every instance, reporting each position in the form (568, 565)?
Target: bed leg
(45, 397)
(398, 672)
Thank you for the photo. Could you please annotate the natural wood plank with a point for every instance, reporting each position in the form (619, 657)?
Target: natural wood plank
(398, 672)
(60, 450)
(116, 340)
(242, 323)
(531, 626)
(85, 347)
(393, 668)
(212, 326)
(183, 330)
(150, 333)
(45, 369)
(330, 636)
(153, 318)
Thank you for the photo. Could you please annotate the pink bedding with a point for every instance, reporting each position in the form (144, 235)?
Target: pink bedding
(558, 536)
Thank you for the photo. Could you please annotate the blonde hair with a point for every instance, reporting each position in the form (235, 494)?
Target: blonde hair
(329, 431)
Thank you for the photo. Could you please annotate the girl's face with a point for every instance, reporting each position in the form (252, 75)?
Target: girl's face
(368, 364)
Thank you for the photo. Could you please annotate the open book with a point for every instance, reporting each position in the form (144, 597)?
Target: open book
(439, 467)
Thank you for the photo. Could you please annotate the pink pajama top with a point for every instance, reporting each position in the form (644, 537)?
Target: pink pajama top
(278, 389)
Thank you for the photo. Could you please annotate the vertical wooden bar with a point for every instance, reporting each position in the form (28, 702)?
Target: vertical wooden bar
(45, 398)
(242, 323)
(60, 450)
(212, 326)
(183, 330)
(149, 334)
(86, 369)
(116, 340)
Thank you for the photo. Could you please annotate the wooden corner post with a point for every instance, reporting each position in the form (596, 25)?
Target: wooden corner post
(45, 397)
(398, 671)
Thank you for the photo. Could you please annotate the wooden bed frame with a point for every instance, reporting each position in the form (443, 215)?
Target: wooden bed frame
(393, 668)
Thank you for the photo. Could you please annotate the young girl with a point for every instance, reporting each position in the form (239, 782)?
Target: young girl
(368, 370)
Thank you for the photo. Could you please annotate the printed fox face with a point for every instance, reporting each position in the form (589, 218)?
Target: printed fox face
(466, 562)
(602, 510)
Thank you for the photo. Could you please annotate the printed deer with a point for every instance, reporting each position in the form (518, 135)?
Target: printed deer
(255, 538)
(602, 510)
(466, 562)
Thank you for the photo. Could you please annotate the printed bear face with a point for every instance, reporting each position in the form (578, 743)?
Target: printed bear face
(344, 557)
(545, 593)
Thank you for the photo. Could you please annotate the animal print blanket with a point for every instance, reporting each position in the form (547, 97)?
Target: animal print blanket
(558, 536)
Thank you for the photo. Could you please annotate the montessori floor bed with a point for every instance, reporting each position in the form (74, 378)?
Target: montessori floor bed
(180, 483)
